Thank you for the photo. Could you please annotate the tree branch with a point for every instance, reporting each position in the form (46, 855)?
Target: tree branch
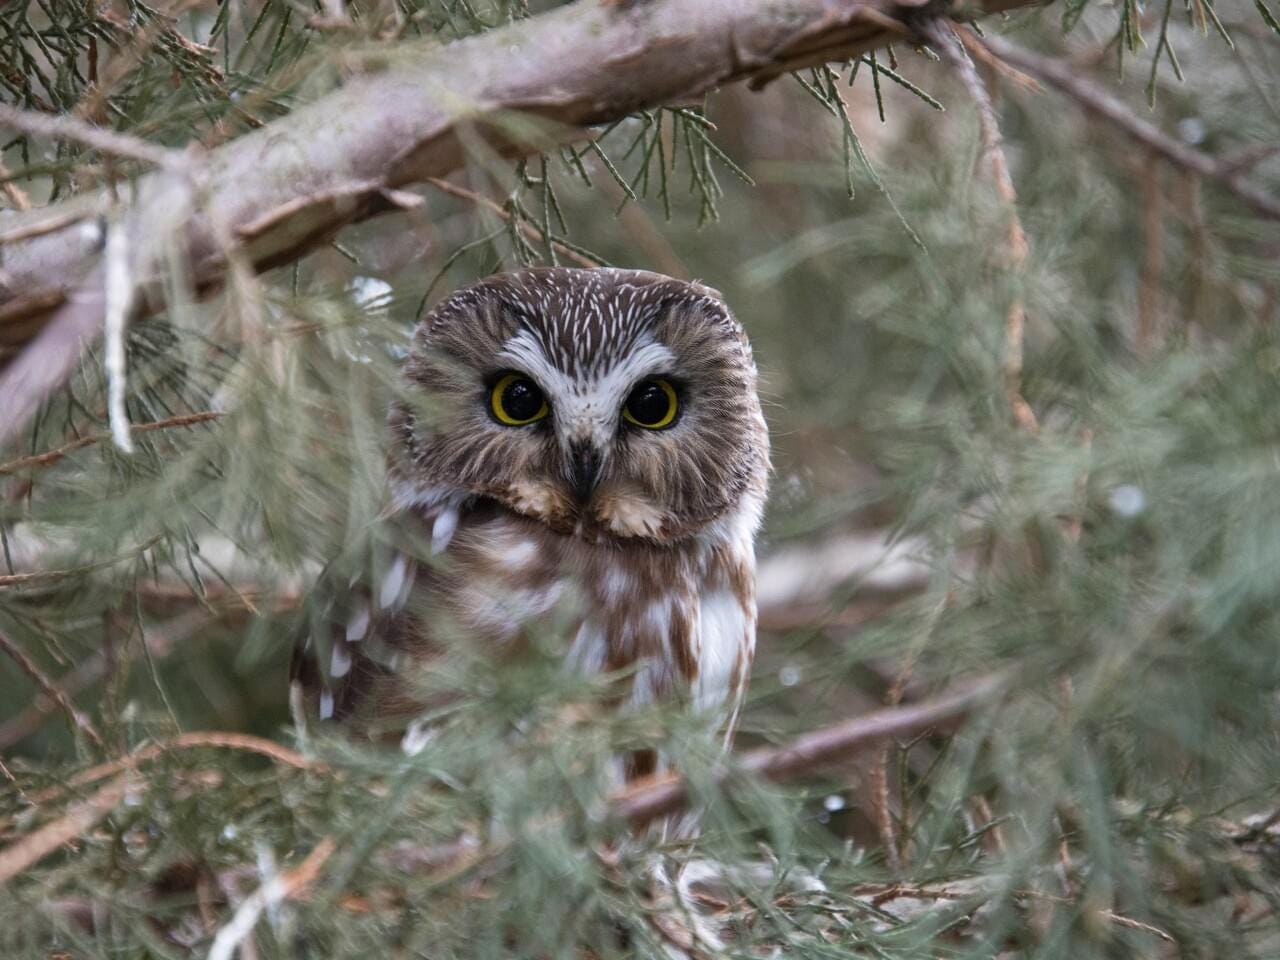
(649, 800)
(1099, 103)
(406, 115)
(48, 687)
(57, 453)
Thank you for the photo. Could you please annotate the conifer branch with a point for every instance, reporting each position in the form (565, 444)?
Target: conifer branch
(28, 666)
(404, 117)
(57, 453)
(82, 817)
(1097, 102)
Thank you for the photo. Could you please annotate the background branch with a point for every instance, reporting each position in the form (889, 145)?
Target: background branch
(650, 800)
(1099, 103)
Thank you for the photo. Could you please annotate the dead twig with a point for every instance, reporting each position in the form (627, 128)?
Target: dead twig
(92, 669)
(53, 224)
(580, 66)
(39, 576)
(526, 228)
(659, 796)
(17, 196)
(57, 453)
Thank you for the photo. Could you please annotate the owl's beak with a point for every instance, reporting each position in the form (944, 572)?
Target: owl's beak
(584, 468)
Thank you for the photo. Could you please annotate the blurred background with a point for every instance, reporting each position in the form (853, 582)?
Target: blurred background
(1115, 558)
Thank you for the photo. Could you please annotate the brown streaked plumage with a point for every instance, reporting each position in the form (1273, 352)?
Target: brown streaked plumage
(650, 531)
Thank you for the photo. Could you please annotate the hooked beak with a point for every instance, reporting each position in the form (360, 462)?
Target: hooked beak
(583, 468)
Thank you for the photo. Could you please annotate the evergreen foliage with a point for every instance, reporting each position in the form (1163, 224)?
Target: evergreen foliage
(1116, 567)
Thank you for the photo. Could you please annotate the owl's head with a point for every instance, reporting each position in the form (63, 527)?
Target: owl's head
(608, 403)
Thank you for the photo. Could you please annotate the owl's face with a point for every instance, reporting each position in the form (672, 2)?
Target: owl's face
(605, 403)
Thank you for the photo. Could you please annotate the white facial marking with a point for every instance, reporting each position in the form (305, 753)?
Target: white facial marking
(587, 406)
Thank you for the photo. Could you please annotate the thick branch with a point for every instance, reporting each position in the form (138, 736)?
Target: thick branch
(406, 117)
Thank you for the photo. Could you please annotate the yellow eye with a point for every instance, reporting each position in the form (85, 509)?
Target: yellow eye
(652, 404)
(517, 400)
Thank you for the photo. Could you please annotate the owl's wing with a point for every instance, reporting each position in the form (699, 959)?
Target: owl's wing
(346, 635)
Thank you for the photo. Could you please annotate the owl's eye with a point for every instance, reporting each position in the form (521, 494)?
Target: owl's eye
(516, 400)
(651, 404)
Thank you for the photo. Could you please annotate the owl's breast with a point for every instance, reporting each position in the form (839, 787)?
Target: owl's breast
(677, 620)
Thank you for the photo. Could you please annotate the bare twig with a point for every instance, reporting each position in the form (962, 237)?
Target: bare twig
(57, 453)
(48, 687)
(526, 228)
(1121, 920)
(92, 669)
(1099, 103)
(41, 227)
(38, 576)
(645, 801)
(979, 889)
(17, 196)
(880, 809)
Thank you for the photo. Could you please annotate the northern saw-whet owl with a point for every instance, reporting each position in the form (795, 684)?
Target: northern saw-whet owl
(594, 434)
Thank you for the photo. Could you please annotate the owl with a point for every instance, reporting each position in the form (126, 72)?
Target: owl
(565, 433)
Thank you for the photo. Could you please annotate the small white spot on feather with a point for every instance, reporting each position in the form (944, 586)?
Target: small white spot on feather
(393, 583)
(358, 625)
(443, 529)
(339, 662)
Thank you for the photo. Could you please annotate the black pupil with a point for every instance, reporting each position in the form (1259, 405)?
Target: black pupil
(648, 403)
(521, 399)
